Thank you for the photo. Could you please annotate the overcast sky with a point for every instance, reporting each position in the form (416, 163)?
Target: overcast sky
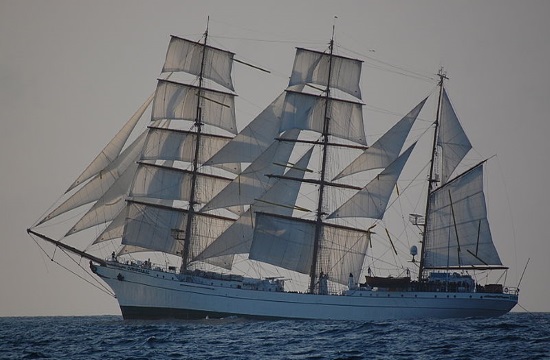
(72, 72)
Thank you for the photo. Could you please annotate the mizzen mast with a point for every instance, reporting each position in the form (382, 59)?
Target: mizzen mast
(431, 180)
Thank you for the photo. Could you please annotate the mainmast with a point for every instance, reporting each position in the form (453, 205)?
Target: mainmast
(322, 182)
(198, 125)
(431, 181)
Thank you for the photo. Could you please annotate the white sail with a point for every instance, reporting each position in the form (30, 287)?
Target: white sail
(452, 139)
(175, 101)
(98, 186)
(162, 182)
(113, 148)
(160, 228)
(130, 249)
(109, 205)
(283, 241)
(372, 200)
(279, 199)
(114, 230)
(187, 56)
(171, 144)
(307, 112)
(342, 252)
(457, 229)
(313, 67)
(151, 227)
(386, 149)
(255, 180)
(249, 143)
(224, 262)
(288, 242)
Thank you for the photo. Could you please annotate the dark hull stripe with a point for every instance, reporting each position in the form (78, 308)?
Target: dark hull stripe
(155, 313)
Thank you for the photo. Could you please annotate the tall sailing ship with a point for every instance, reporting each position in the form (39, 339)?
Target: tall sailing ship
(283, 196)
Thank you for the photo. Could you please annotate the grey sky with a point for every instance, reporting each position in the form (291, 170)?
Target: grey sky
(72, 72)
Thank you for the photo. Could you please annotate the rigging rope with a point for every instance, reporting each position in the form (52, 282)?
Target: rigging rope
(101, 287)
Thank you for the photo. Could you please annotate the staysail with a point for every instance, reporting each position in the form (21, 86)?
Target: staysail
(452, 139)
(279, 199)
(109, 205)
(372, 200)
(254, 180)
(102, 182)
(386, 149)
(113, 148)
(251, 141)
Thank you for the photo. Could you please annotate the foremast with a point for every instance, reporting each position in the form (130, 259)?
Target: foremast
(164, 212)
(322, 180)
(124, 183)
(198, 126)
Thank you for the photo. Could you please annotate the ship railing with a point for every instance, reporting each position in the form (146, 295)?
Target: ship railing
(512, 290)
(145, 264)
(497, 289)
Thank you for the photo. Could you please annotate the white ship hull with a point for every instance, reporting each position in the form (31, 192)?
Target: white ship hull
(153, 294)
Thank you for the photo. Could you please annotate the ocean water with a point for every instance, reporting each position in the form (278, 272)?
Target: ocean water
(513, 336)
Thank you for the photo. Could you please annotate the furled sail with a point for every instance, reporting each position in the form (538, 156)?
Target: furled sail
(372, 200)
(176, 101)
(307, 112)
(288, 242)
(386, 149)
(113, 148)
(457, 229)
(279, 199)
(452, 139)
(313, 67)
(185, 55)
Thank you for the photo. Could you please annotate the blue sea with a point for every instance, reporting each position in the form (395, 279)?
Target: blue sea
(513, 336)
